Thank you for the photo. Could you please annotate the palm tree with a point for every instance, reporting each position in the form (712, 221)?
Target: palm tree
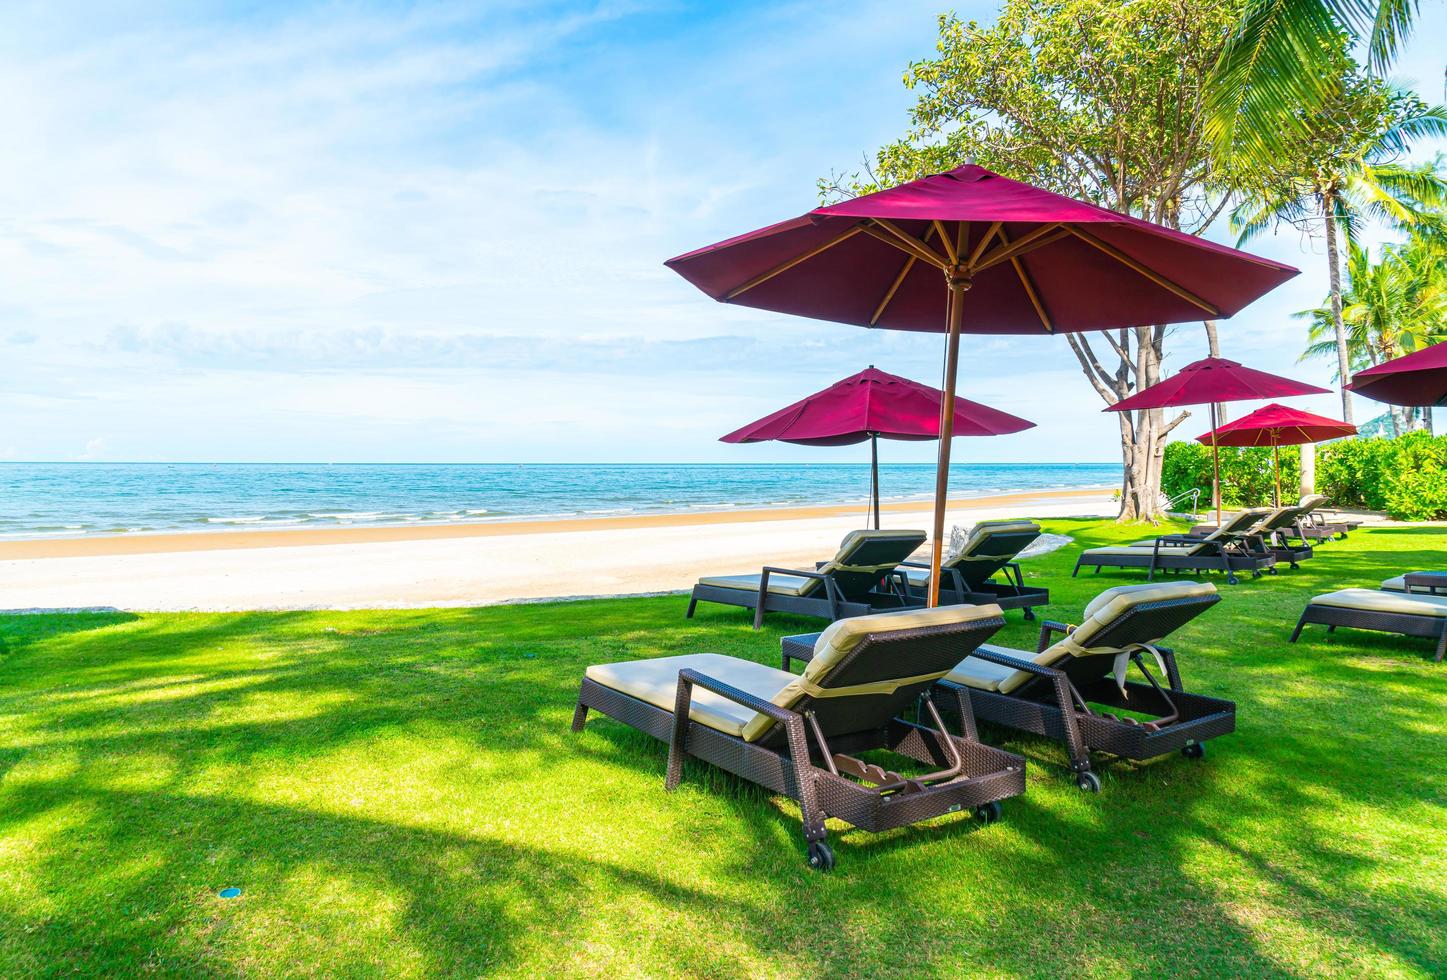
(1344, 170)
(1279, 62)
(1389, 308)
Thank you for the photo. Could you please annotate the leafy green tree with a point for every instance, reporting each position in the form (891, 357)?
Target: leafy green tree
(1095, 99)
(1344, 167)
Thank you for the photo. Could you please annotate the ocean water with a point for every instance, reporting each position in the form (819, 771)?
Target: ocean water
(74, 499)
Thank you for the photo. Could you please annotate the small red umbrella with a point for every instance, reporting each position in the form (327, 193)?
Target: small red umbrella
(1030, 262)
(1414, 379)
(1276, 426)
(1210, 381)
(872, 405)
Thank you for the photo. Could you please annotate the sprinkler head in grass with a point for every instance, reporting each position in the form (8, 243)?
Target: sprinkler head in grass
(232, 892)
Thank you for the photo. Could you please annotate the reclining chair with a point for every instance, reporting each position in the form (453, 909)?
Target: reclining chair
(992, 546)
(1222, 550)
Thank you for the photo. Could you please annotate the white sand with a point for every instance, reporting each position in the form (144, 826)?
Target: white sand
(465, 571)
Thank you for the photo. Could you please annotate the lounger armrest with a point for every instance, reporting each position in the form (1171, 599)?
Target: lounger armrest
(1048, 627)
(1433, 582)
(1014, 663)
(688, 677)
(772, 570)
(915, 564)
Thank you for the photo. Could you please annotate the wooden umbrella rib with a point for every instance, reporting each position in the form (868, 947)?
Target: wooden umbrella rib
(983, 242)
(898, 280)
(906, 244)
(914, 244)
(792, 261)
(1034, 297)
(945, 241)
(1039, 238)
(1136, 267)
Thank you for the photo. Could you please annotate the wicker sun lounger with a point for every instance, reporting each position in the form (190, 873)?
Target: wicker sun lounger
(991, 547)
(1223, 550)
(1425, 583)
(791, 733)
(1050, 692)
(1278, 532)
(1383, 611)
(1318, 525)
(846, 585)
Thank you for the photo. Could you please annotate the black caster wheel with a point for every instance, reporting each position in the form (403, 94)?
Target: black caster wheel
(1195, 750)
(989, 812)
(1087, 782)
(821, 856)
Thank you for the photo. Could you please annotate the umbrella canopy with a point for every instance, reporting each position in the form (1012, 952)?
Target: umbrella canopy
(874, 405)
(1210, 381)
(1414, 379)
(1276, 426)
(1032, 262)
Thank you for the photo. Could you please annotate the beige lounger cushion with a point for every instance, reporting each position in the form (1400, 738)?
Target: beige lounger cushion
(1180, 550)
(1371, 600)
(1398, 584)
(1311, 501)
(778, 584)
(799, 585)
(979, 534)
(1233, 524)
(1103, 611)
(656, 681)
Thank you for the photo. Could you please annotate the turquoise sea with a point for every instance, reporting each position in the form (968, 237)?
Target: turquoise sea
(73, 499)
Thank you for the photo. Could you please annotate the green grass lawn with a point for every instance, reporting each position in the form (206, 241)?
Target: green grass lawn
(398, 793)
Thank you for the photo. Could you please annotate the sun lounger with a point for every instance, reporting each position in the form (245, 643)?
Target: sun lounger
(1319, 525)
(1425, 583)
(1277, 531)
(1052, 691)
(1223, 550)
(846, 585)
(1383, 611)
(791, 733)
(966, 577)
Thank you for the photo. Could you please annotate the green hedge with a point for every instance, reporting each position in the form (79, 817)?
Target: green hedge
(1246, 474)
(1406, 477)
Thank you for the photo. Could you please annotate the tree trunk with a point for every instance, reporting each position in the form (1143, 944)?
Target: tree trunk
(1308, 469)
(1427, 419)
(1343, 359)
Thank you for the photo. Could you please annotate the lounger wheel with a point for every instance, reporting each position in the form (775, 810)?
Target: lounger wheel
(1087, 782)
(1196, 750)
(988, 812)
(821, 856)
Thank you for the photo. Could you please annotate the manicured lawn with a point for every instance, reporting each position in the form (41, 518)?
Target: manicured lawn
(398, 793)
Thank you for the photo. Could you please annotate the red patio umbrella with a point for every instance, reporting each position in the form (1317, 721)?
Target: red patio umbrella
(1210, 381)
(872, 405)
(1276, 426)
(1413, 379)
(1032, 261)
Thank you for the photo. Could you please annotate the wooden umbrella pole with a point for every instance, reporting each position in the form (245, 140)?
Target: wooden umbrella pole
(1215, 466)
(1276, 464)
(958, 283)
(874, 474)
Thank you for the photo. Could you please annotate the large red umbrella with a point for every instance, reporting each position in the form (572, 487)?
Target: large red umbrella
(873, 405)
(1414, 379)
(1033, 262)
(1210, 381)
(1276, 426)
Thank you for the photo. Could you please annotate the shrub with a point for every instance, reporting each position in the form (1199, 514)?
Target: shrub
(1247, 478)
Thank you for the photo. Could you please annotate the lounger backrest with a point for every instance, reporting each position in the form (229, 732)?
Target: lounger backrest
(991, 546)
(1231, 527)
(1281, 517)
(1311, 502)
(868, 669)
(1124, 617)
(864, 557)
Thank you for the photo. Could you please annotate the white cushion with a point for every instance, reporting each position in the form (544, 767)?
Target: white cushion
(1371, 600)
(778, 584)
(1398, 584)
(656, 681)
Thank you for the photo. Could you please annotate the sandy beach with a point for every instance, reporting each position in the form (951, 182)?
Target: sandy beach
(456, 564)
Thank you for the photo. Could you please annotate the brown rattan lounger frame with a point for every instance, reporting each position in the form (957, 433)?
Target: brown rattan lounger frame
(1229, 556)
(804, 756)
(1431, 627)
(1056, 705)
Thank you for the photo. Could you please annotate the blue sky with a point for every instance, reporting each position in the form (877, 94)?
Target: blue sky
(435, 232)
